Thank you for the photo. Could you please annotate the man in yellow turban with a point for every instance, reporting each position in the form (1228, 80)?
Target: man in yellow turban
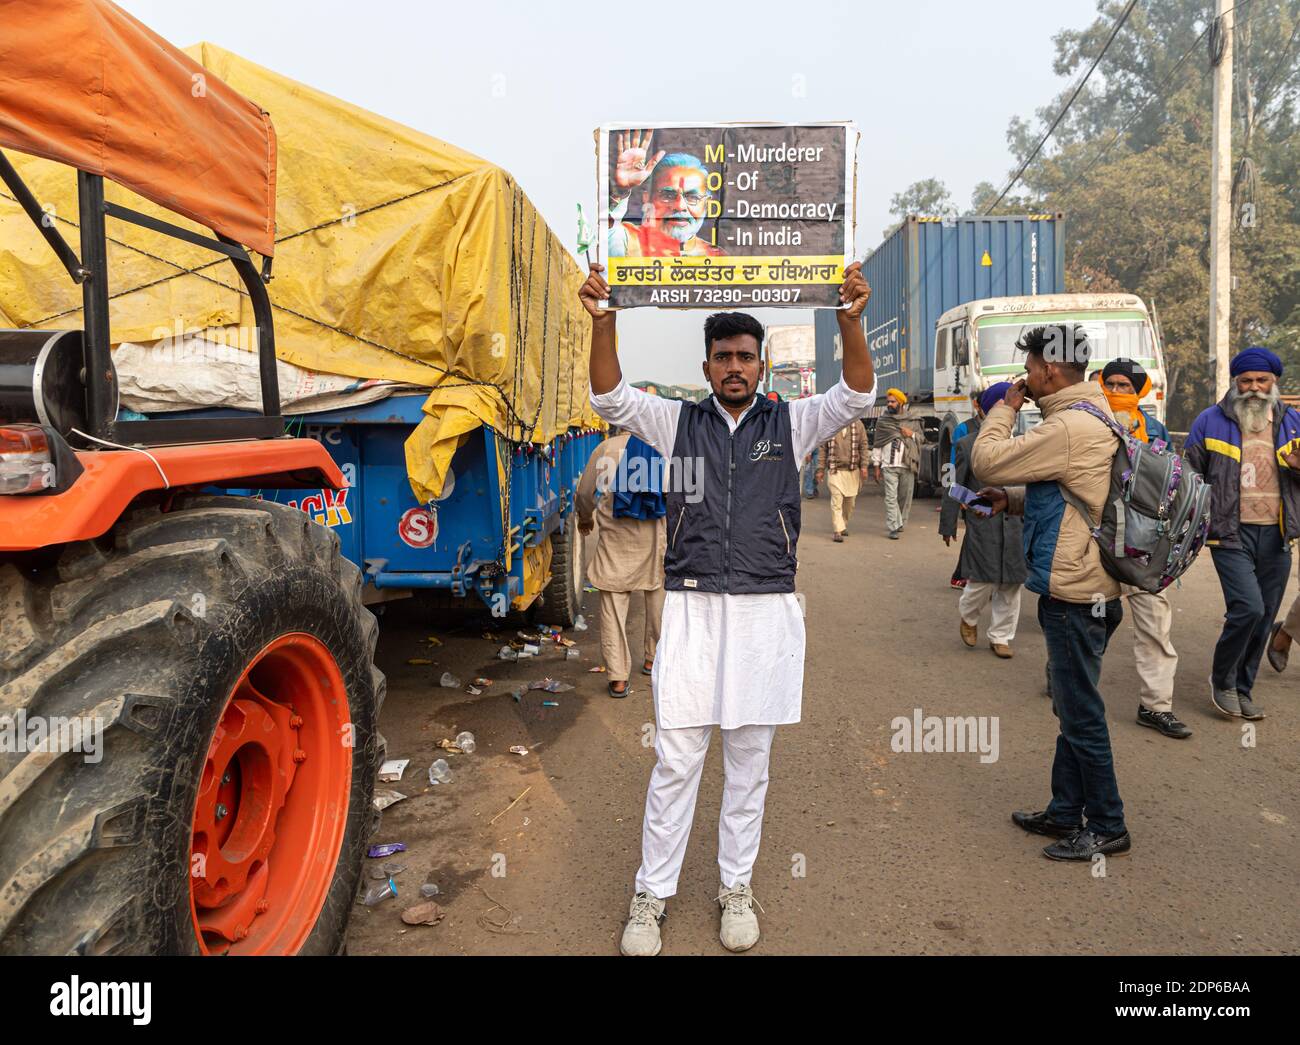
(896, 456)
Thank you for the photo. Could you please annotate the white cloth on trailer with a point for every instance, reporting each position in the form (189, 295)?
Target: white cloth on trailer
(166, 376)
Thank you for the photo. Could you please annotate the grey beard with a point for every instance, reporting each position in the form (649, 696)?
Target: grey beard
(1254, 409)
(684, 233)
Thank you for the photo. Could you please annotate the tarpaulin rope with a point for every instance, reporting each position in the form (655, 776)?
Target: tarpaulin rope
(525, 428)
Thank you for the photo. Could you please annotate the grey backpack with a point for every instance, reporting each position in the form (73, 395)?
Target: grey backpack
(1157, 514)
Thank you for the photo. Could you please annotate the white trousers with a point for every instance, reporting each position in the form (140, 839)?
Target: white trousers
(844, 486)
(1006, 607)
(614, 645)
(670, 804)
(1153, 651)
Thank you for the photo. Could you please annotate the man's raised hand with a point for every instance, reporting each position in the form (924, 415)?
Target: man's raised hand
(593, 292)
(1015, 397)
(633, 164)
(854, 292)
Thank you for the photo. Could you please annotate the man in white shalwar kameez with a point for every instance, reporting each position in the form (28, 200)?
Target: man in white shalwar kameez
(731, 647)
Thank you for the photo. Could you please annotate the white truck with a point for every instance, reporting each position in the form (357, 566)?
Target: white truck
(974, 347)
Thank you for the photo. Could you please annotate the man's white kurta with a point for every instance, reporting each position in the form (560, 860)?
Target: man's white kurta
(730, 660)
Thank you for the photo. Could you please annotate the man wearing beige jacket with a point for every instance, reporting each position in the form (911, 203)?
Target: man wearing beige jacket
(629, 553)
(844, 458)
(1078, 604)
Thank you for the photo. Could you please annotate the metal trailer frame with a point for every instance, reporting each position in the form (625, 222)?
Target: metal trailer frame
(459, 543)
(90, 271)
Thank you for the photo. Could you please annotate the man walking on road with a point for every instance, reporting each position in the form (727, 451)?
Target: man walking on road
(732, 647)
(1284, 633)
(896, 454)
(1125, 383)
(1078, 601)
(1247, 447)
(626, 474)
(992, 556)
(845, 457)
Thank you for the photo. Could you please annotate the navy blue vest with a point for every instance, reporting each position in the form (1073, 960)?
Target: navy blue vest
(738, 530)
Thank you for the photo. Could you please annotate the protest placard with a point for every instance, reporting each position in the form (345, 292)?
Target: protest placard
(726, 215)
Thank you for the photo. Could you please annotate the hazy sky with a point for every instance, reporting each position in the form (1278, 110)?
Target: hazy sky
(930, 83)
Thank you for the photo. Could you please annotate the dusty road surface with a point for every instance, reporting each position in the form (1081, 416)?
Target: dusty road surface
(865, 850)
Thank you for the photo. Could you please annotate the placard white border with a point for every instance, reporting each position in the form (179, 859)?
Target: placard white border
(851, 139)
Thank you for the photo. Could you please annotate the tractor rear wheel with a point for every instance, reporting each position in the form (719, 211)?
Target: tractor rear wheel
(221, 655)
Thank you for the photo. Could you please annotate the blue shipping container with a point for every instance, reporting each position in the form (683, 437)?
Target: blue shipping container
(930, 265)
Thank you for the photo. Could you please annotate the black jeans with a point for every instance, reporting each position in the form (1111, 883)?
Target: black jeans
(1253, 578)
(1083, 772)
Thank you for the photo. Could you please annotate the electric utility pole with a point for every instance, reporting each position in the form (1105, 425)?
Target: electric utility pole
(1221, 200)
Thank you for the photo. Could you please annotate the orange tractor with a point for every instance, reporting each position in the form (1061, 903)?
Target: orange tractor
(188, 697)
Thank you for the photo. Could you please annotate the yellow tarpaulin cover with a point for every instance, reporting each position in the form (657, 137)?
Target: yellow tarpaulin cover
(398, 256)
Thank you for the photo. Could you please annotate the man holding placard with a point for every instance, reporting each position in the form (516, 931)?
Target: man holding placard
(732, 638)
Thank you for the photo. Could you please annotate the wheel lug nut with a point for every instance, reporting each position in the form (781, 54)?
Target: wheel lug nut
(225, 779)
(300, 755)
(263, 906)
(241, 932)
(222, 811)
(295, 721)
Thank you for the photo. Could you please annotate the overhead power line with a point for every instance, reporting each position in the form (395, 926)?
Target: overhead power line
(1159, 94)
(1119, 24)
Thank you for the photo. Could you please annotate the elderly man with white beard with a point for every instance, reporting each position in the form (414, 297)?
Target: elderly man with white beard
(1247, 447)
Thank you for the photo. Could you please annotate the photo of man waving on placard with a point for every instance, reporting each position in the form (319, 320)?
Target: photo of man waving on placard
(674, 195)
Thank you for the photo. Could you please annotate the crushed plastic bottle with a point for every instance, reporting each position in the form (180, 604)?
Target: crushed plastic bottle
(551, 686)
(377, 894)
(465, 741)
(518, 693)
(506, 653)
(580, 623)
(449, 680)
(440, 772)
(393, 869)
(429, 889)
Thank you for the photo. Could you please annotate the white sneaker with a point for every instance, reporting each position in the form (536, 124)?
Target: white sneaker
(739, 922)
(641, 934)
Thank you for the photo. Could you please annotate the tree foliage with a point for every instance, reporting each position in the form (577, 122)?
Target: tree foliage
(1130, 167)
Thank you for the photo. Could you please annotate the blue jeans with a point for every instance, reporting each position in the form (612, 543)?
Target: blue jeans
(1253, 578)
(810, 474)
(1083, 772)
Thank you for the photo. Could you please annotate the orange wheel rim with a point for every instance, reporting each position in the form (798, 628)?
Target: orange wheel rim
(272, 802)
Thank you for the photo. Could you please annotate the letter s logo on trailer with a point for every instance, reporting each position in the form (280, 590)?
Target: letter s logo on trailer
(418, 527)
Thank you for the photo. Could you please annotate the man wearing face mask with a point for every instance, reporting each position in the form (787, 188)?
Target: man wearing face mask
(674, 201)
(1247, 447)
(732, 640)
(1125, 383)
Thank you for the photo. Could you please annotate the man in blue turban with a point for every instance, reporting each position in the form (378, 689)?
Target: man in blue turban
(1247, 447)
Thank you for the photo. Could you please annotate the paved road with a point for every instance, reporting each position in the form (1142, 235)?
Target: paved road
(865, 850)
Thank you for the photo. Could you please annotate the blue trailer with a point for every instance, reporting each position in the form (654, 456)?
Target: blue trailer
(925, 268)
(505, 536)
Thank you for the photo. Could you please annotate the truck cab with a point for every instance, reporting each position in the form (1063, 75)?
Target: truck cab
(974, 347)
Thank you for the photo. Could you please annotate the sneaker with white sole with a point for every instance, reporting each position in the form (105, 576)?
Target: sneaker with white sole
(739, 922)
(641, 934)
